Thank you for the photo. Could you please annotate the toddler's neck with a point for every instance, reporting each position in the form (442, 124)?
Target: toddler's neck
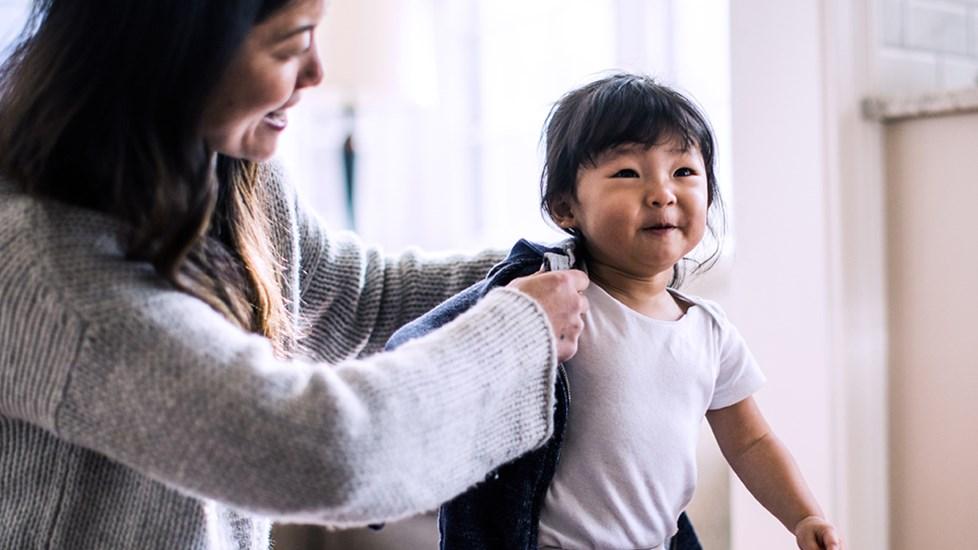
(648, 296)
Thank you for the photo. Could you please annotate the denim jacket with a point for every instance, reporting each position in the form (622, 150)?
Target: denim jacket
(503, 512)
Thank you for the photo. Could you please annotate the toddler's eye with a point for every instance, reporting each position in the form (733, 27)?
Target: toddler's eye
(625, 173)
(683, 172)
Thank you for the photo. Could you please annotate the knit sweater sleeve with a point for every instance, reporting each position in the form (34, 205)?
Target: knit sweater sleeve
(165, 385)
(353, 297)
(101, 353)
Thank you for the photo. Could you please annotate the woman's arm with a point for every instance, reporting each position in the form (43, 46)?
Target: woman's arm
(766, 467)
(346, 284)
(343, 283)
(158, 381)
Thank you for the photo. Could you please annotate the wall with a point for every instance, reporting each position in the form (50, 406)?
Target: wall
(927, 45)
(780, 291)
(933, 260)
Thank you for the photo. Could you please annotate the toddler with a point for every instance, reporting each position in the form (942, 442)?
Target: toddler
(629, 173)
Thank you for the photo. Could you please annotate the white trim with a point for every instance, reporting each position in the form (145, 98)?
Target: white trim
(855, 221)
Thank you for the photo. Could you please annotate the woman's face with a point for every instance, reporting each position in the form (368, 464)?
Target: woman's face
(247, 111)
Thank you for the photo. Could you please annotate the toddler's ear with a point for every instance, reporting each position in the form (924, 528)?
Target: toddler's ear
(563, 214)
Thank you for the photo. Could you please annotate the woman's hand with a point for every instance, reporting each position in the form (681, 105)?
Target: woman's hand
(559, 293)
(815, 533)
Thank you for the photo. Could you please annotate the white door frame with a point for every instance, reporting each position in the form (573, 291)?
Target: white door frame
(779, 52)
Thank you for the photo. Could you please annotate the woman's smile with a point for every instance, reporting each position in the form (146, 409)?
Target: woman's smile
(277, 120)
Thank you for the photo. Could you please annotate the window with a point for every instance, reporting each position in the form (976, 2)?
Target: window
(13, 15)
(446, 99)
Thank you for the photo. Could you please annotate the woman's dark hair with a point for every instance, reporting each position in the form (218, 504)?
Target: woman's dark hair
(100, 106)
(624, 109)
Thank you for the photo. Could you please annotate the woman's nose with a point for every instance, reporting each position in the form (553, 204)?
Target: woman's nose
(312, 70)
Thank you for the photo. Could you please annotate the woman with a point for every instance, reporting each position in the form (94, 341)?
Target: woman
(185, 355)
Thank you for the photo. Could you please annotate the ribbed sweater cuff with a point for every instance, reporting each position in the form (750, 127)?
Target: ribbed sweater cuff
(518, 322)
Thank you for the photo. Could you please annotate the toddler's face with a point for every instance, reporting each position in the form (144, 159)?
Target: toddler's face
(641, 209)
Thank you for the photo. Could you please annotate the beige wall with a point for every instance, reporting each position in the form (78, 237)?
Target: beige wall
(932, 185)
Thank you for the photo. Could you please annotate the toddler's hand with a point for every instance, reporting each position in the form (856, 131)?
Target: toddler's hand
(559, 294)
(815, 533)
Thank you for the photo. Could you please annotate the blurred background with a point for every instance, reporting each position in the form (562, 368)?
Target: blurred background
(848, 159)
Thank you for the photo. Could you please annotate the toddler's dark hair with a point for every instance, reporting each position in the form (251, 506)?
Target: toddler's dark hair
(621, 109)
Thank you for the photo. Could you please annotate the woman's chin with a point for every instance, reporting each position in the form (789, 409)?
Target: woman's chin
(261, 157)
(253, 150)
(258, 151)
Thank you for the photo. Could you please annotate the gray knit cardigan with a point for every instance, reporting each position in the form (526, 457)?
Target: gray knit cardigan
(133, 415)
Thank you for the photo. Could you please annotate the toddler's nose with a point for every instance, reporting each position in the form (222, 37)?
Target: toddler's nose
(660, 195)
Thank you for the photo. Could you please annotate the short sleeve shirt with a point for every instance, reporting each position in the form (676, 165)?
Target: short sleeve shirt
(640, 388)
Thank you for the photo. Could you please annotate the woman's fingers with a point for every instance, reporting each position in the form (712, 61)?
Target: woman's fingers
(560, 294)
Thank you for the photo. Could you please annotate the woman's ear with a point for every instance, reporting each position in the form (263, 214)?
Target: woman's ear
(562, 212)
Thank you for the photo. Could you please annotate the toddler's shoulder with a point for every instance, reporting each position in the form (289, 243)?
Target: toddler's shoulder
(712, 309)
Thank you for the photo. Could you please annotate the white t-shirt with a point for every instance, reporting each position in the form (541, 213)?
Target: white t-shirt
(640, 388)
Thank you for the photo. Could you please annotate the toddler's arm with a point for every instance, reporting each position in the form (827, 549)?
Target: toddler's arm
(766, 467)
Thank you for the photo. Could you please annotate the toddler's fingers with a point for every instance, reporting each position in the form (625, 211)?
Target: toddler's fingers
(808, 541)
(831, 541)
